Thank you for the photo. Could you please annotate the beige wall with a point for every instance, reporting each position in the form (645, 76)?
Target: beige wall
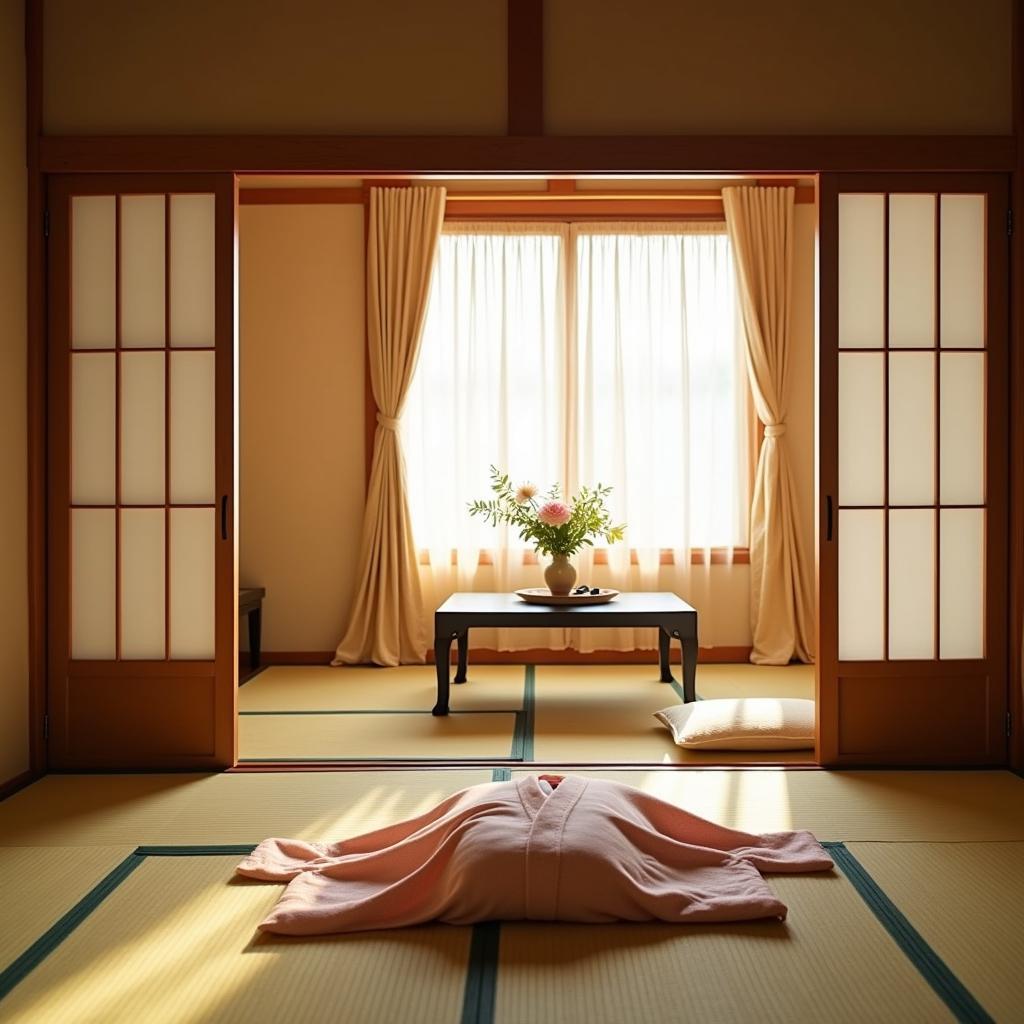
(13, 493)
(649, 66)
(302, 415)
(302, 465)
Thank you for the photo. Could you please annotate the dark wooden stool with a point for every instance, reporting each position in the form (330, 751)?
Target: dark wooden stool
(250, 602)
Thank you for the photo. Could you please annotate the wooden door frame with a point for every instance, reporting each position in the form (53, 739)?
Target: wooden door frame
(525, 147)
(998, 436)
(1016, 373)
(223, 736)
(36, 300)
(409, 158)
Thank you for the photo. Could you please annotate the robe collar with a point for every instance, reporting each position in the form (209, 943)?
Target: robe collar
(535, 799)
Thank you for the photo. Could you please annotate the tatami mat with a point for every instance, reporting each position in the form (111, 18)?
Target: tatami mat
(896, 806)
(39, 885)
(91, 810)
(415, 736)
(734, 680)
(606, 713)
(967, 901)
(596, 713)
(407, 688)
(830, 960)
(177, 941)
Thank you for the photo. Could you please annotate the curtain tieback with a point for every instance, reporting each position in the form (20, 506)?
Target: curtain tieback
(387, 422)
(775, 430)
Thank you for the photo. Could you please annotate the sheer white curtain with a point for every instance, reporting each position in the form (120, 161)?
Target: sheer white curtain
(489, 390)
(606, 354)
(660, 408)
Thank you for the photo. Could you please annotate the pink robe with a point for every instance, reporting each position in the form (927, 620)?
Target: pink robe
(589, 850)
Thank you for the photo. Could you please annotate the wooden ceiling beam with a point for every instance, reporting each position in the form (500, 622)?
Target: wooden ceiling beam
(489, 154)
(525, 67)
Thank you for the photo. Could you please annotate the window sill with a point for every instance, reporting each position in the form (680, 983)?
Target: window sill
(698, 556)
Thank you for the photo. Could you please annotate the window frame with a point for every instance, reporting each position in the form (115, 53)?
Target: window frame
(557, 209)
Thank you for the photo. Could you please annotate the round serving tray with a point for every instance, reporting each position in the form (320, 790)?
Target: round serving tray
(541, 595)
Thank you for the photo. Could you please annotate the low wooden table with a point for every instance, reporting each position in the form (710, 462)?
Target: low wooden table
(461, 612)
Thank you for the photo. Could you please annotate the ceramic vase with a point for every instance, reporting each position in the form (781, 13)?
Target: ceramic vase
(560, 575)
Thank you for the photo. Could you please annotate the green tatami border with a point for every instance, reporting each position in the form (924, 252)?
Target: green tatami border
(62, 928)
(529, 711)
(482, 974)
(946, 985)
(482, 966)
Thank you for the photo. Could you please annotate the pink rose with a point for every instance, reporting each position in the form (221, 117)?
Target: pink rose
(554, 513)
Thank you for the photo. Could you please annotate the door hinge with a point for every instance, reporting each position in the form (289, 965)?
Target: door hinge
(46, 223)
(1009, 222)
(1009, 723)
(46, 727)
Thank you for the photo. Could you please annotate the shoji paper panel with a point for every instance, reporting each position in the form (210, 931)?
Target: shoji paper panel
(142, 428)
(962, 271)
(93, 428)
(911, 428)
(962, 583)
(93, 275)
(911, 271)
(192, 271)
(142, 583)
(193, 540)
(861, 271)
(93, 584)
(143, 276)
(861, 584)
(193, 439)
(861, 428)
(912, 583)
(962, 428)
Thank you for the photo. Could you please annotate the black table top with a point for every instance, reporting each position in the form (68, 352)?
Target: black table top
(492, 607)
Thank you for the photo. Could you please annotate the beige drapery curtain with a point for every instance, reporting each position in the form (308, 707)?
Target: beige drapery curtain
(760, 222)
(386, 626)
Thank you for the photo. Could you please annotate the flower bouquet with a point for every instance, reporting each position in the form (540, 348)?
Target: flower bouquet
(554, 527)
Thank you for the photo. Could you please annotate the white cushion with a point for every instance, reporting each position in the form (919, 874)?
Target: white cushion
(744, 723)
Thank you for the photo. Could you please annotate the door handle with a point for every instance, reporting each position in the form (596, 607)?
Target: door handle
(828, 517)
(224, 517)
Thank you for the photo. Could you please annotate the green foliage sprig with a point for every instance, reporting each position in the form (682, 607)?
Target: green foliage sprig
(521, 509)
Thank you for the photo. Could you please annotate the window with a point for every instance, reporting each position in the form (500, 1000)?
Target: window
(660, 383)
(592, 353)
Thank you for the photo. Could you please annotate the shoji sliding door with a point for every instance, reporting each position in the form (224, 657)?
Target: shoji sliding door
(142, 550)
(912, 469)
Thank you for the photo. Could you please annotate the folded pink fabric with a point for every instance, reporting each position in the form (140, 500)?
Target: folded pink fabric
(587, 850)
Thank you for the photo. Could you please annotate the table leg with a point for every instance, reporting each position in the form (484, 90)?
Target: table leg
(442, 657)
(689, 670)
(255, 627)
(663, 648)
(463, 642)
